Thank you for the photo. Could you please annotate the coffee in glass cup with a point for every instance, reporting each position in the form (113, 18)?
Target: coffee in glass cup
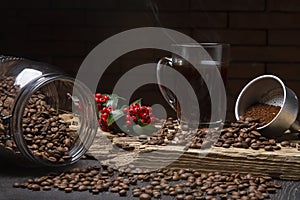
(211, 56)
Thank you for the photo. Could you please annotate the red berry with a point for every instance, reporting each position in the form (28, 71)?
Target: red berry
(106, 97)
(136, 110)
(128, 117)
(143, 109)
(104, 110)
(97, 99)
(98, 95)
(110, 108)
(146, 116)
(135, 105)
(99, 106)
(134, 118)
(102, 100)
(104, 115)
(104, 120)
(125, 110)
(128, 122)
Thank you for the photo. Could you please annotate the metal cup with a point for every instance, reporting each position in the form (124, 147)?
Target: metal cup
(269, 89)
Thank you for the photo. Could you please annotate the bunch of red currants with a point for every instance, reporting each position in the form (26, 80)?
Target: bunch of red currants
(138, 114)
(103, 111)
(135, 114)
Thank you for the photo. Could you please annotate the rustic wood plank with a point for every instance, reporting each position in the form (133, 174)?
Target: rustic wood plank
(283, 164)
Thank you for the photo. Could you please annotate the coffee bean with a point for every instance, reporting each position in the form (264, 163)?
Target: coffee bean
(122, 192)
(268, 148)
(46, 188)
(16, 185)
(52, 159)
(254, 146)
(255, 133)
(68, 190)
(189, 197)
(114, 189)
(237, 145)
(276, 148)
(82, 188)
(156, 194)
(285, 143)
(144, 196)
(226, 145)
(136, 194)
(35, 187)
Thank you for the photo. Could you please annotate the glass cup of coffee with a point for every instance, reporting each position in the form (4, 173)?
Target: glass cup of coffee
(202, 65)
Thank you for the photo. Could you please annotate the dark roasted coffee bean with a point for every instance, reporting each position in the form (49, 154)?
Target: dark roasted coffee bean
(16, 185)
(35, 187)
(46, 188)
(226, 145)
(254, 146)
(285, 143)
(144, 196)
(114, 189)
(268, 148)
(255, 133)
(68, 190)
(276, 148)
(82, 188)
(156, 194)
(136, 194)
(122, 192)
(189, 197)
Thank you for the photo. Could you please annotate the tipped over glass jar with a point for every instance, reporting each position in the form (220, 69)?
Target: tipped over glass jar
(46, 117)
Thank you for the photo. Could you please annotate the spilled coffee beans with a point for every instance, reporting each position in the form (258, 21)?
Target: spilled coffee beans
(181, 183)
(242, 133)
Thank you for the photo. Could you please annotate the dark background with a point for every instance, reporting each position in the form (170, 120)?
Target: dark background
(264, 34)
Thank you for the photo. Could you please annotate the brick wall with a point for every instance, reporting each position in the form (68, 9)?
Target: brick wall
(264, 34)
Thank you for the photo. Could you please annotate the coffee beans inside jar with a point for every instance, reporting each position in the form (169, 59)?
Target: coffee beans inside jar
(47, 135)
(42, 122)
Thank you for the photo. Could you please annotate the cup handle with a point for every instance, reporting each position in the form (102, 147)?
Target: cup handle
(167, 94)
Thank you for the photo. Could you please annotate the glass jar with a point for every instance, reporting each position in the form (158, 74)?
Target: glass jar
(46, 118)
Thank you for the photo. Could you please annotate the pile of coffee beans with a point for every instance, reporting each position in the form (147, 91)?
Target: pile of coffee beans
(180, 183)
(240, 134)
(47, 135)
(264, 112)
(165, 135)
